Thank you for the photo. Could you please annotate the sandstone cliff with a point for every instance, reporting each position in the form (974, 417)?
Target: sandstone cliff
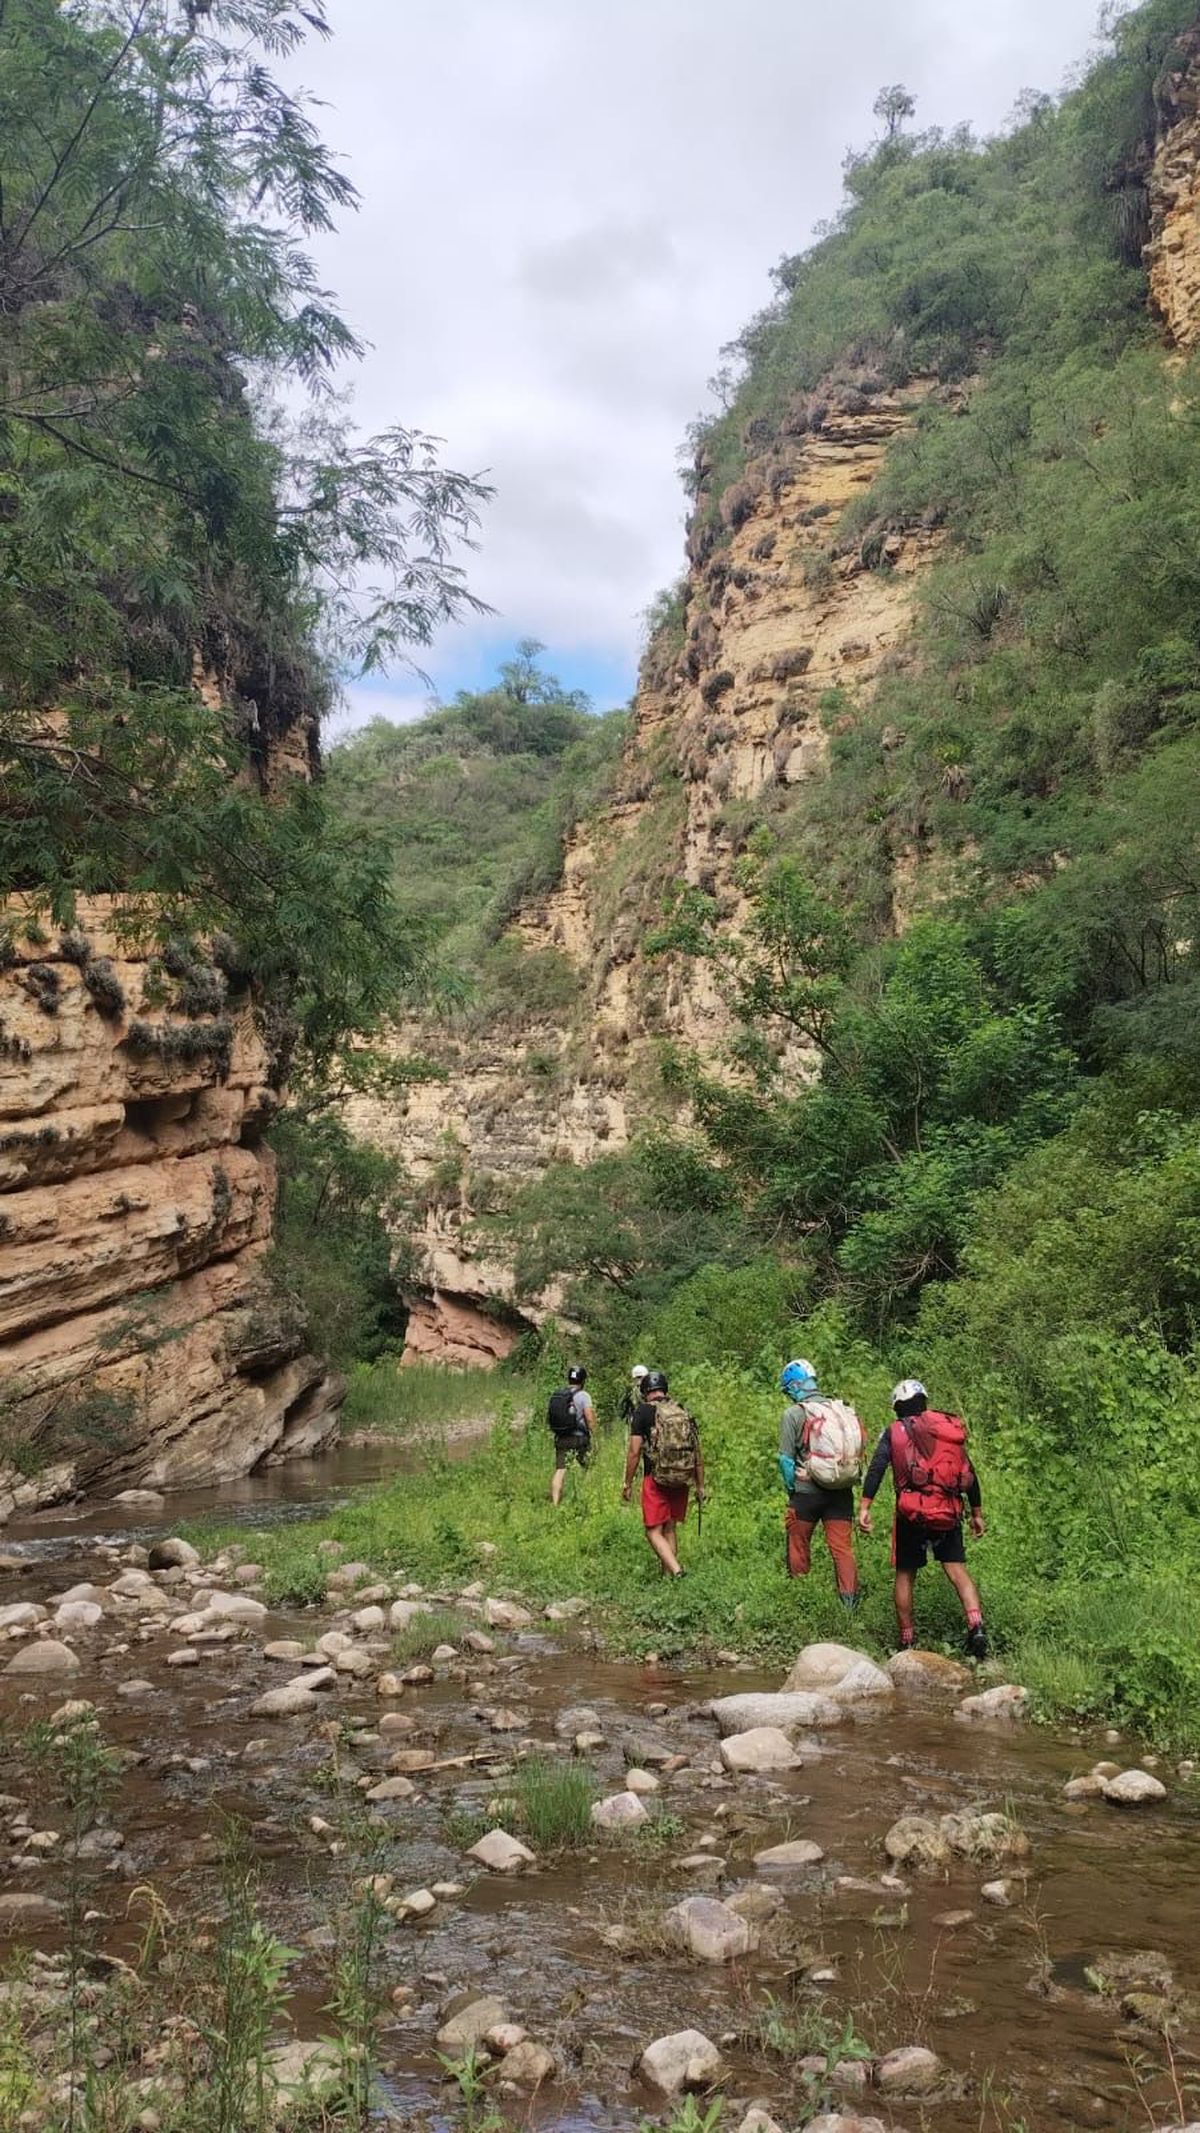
(140, 1339)
(1173, 253)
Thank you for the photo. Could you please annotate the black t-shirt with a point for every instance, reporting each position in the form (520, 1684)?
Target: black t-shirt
(641, 1424)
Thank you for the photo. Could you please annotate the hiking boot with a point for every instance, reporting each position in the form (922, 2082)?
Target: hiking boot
(849, 1600)
(977, 1642)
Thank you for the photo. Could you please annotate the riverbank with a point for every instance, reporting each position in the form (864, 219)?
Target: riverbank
(207, 1795)
(1122, 1650)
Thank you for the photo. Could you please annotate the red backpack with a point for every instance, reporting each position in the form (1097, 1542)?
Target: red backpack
(932, 1470)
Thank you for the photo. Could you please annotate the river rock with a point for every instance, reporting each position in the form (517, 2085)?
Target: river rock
(391, 1788)
(757, 1903)
(758, 2120)
(529, 2064)
(506, 1721)
(23, 1911)
(405, 1612)
(911, 2071)
(797, 1852)
(838, 1670)
(985, 1837)
(173, 1554)
(917, 1841)
(930, 1671)
(501, 1854)
(762, 1748)
(133, 1584)
(792, 1710)
(709, 1930)
(21, 1614)
(475, 1641)
(301, 2072)
(505, 2037)
(78, 1614)
(359, 1664)
(293, 1699)
(45, 1657)
(410, 1759)
(442, 1654)
(841, 2122)
(288, 1649)
(1134, 1788)
(418, 1903)
(186, 1656)
(1003, 1704)
(577, 1718)
(998, 1893)
(1089, 1787)
(78, 1712)
(368, 1619)
(639, 1781)
(142, 1499)
(234, 1607)
(506, 1614)
(685, 2060)
(621, 1810)
(467, 2021)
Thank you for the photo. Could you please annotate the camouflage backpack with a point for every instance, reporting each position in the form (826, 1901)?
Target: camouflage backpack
(674, 1445)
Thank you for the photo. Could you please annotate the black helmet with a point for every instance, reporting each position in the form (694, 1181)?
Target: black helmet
(576, 1375)
(655, 1381)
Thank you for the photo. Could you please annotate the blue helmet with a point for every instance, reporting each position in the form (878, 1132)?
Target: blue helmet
(799, 1379)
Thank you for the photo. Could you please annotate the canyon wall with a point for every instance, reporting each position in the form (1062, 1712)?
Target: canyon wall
(1173, 253)
(142, 1339)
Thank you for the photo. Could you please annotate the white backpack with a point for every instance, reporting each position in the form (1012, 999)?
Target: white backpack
(834, 1443)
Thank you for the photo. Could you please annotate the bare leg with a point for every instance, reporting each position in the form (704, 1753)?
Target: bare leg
(662, 1540)
(967, 1590)
(558, 1484)
(905, 1580)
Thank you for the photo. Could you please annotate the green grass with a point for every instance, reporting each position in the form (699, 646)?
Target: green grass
(426, 1396)
(424, 1633)
(554, 1803)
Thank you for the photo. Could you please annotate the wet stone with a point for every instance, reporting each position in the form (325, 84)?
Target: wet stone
(1134, 1788)
(500, 1853)
(779, 1858)
(45, 1657)
(686, 2059)
(468, 2020)
(621, 1810)
(709, 1930)
(911, 2071)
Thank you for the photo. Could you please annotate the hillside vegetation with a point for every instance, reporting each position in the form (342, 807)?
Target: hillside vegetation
(989, 1174)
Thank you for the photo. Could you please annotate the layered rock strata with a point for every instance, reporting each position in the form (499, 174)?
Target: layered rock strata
(1173, 253)
(140, 1338)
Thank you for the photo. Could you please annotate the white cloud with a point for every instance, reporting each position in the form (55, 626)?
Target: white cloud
(568, 205)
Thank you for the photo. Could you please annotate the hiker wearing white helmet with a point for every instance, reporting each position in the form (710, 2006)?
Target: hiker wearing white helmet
(821, 1444)
(633, 1392)
(932, 1475)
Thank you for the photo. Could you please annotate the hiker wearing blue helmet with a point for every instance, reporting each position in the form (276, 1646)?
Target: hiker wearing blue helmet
(821, 1445)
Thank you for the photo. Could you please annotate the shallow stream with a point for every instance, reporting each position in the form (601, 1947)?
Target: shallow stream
(1007, 1996)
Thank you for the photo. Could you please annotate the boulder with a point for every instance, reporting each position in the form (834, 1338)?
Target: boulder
(142, 1499)
(404, 1612)
(999, 1705)
(782, 1858)
(685, 2060)
(367, 1620)
(501, 1854)
(21, 1614)
(821, 1666)
(985, 1837)
(468, 2020)
(475, 1641)
(708, 1930)
(640, 1781)
(302, 2073)
(288, 1649)
(78, 1614)
(506, 1614)
(864, 1683)
(911, 2071)
(234, 1607)
(294, 1698)
(762, 1748)
(45, 1657)
(1089, 1787)
(173, 1554)
(918, 1841)
(621, 1810)
(529, 2064)
(1134, 1788)
(792, 1710)
(928, 1672)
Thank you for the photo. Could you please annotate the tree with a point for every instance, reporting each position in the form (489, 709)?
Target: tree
(157, 518)
(893, 105)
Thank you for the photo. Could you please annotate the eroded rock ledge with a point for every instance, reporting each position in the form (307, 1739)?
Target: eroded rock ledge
(141, 1338)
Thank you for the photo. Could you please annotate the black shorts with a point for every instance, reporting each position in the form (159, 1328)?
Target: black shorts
(813, 1505)
(910, 1543)
(577, 1447)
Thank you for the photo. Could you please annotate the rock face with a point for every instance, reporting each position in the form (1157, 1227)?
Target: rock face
(1173, 253)
(139, 1339)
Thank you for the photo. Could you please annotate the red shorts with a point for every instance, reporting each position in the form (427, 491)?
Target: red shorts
(663, 1506)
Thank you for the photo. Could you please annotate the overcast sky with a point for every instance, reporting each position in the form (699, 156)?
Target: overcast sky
(567, 207)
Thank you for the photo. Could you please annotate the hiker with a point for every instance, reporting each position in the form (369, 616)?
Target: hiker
(927, 1453)
(821, 1446)
(633, 1391)
(572, 1419)
(664, 1437)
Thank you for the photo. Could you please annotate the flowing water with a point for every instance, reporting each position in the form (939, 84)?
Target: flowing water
(1007, 1996)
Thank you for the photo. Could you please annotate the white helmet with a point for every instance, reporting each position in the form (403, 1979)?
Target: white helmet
(639, 1372)
(908, 1389)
